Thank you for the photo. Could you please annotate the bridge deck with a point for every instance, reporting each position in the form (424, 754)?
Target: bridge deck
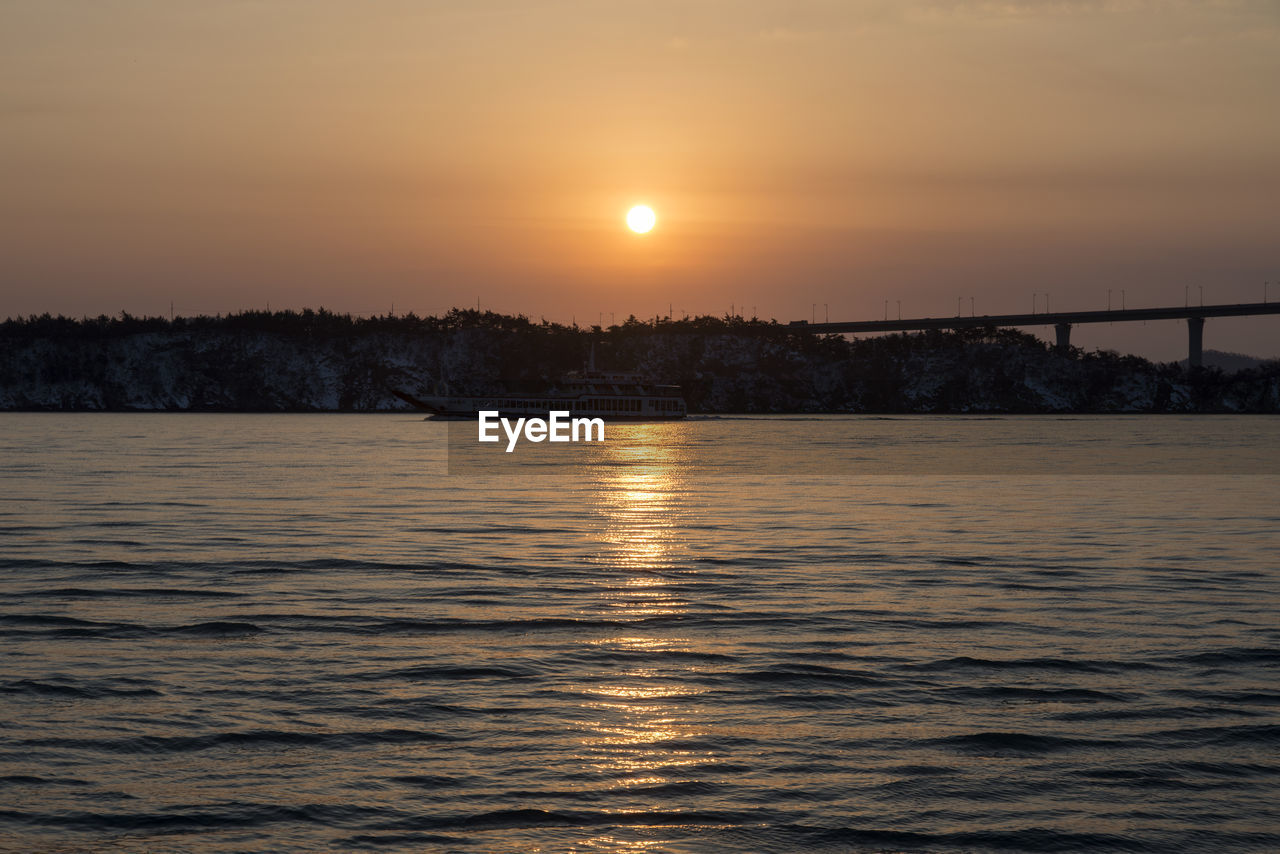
(1043, 318)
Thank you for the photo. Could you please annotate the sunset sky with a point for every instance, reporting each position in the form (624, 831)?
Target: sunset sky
(224, 155)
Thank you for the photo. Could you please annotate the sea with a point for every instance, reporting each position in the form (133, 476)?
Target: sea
(260, 633)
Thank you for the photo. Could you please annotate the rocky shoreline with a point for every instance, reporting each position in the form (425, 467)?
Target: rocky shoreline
(318, 361)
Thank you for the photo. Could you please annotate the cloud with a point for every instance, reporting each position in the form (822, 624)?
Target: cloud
(787, 34)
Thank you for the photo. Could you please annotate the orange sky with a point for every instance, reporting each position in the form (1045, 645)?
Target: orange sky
(356, 155)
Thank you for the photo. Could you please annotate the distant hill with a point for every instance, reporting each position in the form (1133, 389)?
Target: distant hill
(318, 361)
(1229, 362)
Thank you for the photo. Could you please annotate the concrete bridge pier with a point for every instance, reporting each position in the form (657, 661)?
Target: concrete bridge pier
(1064, 335)
(1195, 341)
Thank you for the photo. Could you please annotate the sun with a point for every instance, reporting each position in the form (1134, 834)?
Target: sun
(641, 219)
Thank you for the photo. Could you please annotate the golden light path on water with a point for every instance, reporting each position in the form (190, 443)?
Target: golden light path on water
(641, 716)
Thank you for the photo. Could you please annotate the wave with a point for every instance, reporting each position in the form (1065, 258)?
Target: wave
(1061, 665)
(1246, 735)
(808, 673)
(31, 780)
(531, 818)
(1039, 695)
(159, 744)
(1032, 839)
(448, 672)
(1016, 742)
(324, 623)
(217, 816)
(91, 692)
(130, 592)
(1232, 655)
(42, 625)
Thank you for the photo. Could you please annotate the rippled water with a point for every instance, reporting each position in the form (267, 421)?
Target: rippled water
(257, 633)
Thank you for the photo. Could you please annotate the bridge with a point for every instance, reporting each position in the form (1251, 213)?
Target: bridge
(1062, 321)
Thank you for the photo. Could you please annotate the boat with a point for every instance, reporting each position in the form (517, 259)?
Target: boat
(589, 393)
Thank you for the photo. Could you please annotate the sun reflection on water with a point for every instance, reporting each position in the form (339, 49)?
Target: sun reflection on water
(643, 729)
